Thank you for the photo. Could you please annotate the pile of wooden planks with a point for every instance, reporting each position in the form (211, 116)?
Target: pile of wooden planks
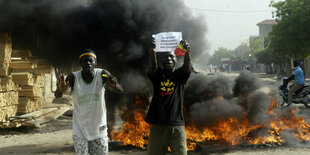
(8, 98)
(7, 84)
(28, 104)
(8, 88)
(21, 80)
(31, 95)
(22, 63)
(29, 72)
(23, 54)
(5, 53)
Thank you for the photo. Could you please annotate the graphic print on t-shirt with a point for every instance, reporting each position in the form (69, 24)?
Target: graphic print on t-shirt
(89, 99)
(167, 87)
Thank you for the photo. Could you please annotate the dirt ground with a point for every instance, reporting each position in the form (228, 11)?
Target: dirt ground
(55, 137)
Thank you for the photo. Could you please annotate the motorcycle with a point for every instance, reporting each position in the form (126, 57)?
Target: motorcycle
(301, 96)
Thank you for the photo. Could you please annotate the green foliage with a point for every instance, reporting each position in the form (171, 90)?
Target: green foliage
(291, 36)
(267, 56)
(219, 53)
(242, 50)
(256, 43)
(263, 55)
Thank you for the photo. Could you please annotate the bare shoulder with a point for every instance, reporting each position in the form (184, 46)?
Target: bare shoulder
(105, 73)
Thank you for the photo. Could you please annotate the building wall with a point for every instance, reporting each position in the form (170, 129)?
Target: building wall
(264, 29)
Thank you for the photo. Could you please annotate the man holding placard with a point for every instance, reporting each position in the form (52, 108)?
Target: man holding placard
(165, 113)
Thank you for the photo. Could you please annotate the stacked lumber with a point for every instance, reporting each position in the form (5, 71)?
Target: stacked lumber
(38, 80)
(21, 81)
(28, 73)
(5, 53)
(23, 54)
(8, 98)
(28, 79)
(7, 111)
(31, 93)
(8, 88)
(6, 84)
(23, 78)
(22, 63)
(28, 104)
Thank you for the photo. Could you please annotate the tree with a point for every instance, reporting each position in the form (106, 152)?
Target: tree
(219, 53)
(256, 43)
(290, 36)
(268, 57)
(242, 51)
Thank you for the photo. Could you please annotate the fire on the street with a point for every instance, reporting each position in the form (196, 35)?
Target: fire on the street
(231, 131)
(135, 131)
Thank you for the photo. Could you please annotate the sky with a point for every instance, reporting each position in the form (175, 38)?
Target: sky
(230, 22)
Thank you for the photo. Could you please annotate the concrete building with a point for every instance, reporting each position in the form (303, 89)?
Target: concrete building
(265, 27)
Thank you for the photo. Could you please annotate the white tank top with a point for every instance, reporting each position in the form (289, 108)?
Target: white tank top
(89, 113)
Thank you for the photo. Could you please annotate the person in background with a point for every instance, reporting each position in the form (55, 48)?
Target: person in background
(89, 113)
(298, 83)
(210, 68)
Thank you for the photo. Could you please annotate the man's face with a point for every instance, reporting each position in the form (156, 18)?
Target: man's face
(166, 60)
(88, 63)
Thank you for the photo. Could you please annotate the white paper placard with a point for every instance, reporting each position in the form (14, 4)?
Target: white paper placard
(167, 41)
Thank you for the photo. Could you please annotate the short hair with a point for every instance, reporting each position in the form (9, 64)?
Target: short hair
(296, 63)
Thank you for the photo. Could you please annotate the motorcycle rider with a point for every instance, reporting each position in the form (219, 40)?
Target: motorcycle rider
(299, 81)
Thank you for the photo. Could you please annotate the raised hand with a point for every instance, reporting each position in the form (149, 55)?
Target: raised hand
(113, 82)
(185, 45)
(62, 85)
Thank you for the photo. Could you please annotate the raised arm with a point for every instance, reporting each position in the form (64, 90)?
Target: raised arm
(153, 60)
(187, 65)
(62, 84)
(112, 81)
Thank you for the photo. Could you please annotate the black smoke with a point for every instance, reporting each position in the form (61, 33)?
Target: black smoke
(204, 114)
(118, 30)
(213, 98)
(246, 83)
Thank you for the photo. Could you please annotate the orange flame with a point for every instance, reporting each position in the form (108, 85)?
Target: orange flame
(233, 131)
(135, 131)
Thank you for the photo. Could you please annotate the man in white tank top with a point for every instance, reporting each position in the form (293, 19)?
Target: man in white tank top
(89, 114)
